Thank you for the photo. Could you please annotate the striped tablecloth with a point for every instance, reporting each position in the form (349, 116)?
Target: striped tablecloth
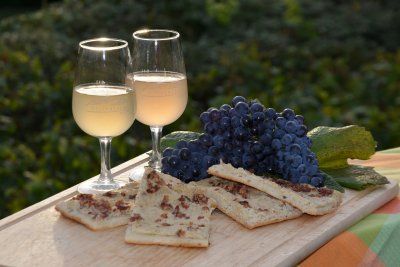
(375, 240)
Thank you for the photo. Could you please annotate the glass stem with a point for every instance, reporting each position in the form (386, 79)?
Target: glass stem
(155, 160)
(105, 149)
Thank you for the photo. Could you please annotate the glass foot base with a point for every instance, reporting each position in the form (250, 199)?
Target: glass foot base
(136, 174)
(95, 187)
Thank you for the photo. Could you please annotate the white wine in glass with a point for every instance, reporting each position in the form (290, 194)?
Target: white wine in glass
(161, 97)
(159, 80)
(103, 111)
(103, 105)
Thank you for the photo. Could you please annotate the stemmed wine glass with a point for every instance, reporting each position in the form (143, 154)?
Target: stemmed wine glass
(159, 80)
(102, 104)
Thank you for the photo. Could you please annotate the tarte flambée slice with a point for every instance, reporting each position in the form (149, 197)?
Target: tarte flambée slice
(102, 211)
(247, 205)
(307, 198)
(169, 212)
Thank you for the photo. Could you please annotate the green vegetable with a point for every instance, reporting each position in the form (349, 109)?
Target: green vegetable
(171, 139)
(331, 183)
(333, 146)
(357, 177)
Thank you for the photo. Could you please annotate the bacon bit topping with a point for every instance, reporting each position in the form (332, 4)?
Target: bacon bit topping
(109, 194)
(103, 207)
(295, 187)
(164, 203)
(243, 191)
(166, 224)
(182, 199)
(123, 194)
(164, 215)
(121, 205)
(200, 199)
(244, 203)
(158, 220)
(154, 182)
(177, 213)
(185, 205)
(200, 217)
(205, 208)
(192, 227)
(234, 188)
(132, 196)
(83, 198)
(202, 225)
(260, 209)
(135, 217)
(180, 233)
(325, 191)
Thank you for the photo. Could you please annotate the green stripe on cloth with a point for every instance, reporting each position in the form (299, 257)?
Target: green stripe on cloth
(368, 228)
(387, 243)
(389, 173)
(391, 151)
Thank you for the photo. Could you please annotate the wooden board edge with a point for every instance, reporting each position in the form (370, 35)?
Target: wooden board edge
(391, 191)
(44, 204)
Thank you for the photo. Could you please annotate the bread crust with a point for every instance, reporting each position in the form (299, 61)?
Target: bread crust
(313, 204)
(165, 195)
(72, 209)
(273, 210)
(90, 223)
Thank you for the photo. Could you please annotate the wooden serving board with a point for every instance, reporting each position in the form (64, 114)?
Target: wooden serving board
(39, 236)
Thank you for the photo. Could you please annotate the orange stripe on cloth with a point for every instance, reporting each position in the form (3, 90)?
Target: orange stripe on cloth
(391, 207)
(380, 160)
(344, 250)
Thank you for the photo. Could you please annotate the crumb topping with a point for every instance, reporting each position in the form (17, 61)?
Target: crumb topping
(121, 205)
(165, 205)
(200, 199)
(244, 203)
(325, 191)
(180, 233)
(233, 188)
(178, 214)
(154, 182)
(182, 199)
(322, 192)
(109, 194)
(135, 217)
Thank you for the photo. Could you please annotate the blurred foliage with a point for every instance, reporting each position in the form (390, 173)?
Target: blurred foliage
(335, 62)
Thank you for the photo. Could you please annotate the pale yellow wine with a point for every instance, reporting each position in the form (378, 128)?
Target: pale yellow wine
(161, 96)
(102, 111)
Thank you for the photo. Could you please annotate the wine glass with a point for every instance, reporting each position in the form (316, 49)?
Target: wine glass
(103, 105)
(159, 80)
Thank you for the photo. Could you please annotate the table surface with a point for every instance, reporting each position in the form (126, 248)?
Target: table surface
(370, 241)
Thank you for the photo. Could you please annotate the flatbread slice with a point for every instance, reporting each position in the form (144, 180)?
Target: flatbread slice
(248, 206)
(307, 198)
(103, 211)
(169, 212)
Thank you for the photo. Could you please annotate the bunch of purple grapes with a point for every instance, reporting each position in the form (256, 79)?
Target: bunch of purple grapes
(250, 136)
